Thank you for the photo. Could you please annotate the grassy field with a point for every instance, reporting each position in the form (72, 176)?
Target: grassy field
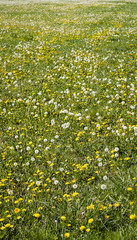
(68, 123)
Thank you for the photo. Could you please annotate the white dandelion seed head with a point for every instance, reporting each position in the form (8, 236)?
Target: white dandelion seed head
(75, 186)
(105, 178)
(103, 186)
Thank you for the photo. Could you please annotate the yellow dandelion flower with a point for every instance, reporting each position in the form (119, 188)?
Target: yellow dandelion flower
(88, 230)
(1, 219)
(2, 228)
(82, 228)
(91, 206)
(63, 218)
(66, 235)
(37, 215)
(129, 189)
(132, 216)
(75, 194)
(7, 225)
(116, 204)
(90, 220)
(16, 210)
(24, 210)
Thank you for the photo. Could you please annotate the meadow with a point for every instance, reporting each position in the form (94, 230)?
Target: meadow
(68, 123)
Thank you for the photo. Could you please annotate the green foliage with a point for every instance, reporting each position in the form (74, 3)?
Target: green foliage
(68, 124)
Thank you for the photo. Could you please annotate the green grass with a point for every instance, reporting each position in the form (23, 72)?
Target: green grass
(68, 124)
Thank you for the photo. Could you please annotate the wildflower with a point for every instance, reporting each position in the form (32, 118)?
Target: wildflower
(38, 183)
(88, 230)
(75, 194)
(1, 219)
(10, 192)
(132, 216)
(105, 178)
(63, 218)
(82, 228)
(135, 130)
(91, 206)
(129, 189)
(36, 215)
(103, 186)
(52, 122)
(116, 204)
(56, 182)
(36, 151)
(24, 210)
(90, 220)
(9, 225)
(65, 125)
(3, 227)
(66, 235)
(16, 210)
(74, 186)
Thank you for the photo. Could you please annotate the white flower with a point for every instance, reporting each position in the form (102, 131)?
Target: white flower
(36, 151)
(75, 186)
(38, 183)
(65, 125)
(52, 122)
(45, 140)
(51, 101)
(78, 114)
(105, 178)
(135, 129)
(100, 164)
(56, 136)
(56, 182)
(116, 155)
(64, 111)
(116, 149)
(28, 148)
(103, 186)
(32, 159)
(10, 192)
